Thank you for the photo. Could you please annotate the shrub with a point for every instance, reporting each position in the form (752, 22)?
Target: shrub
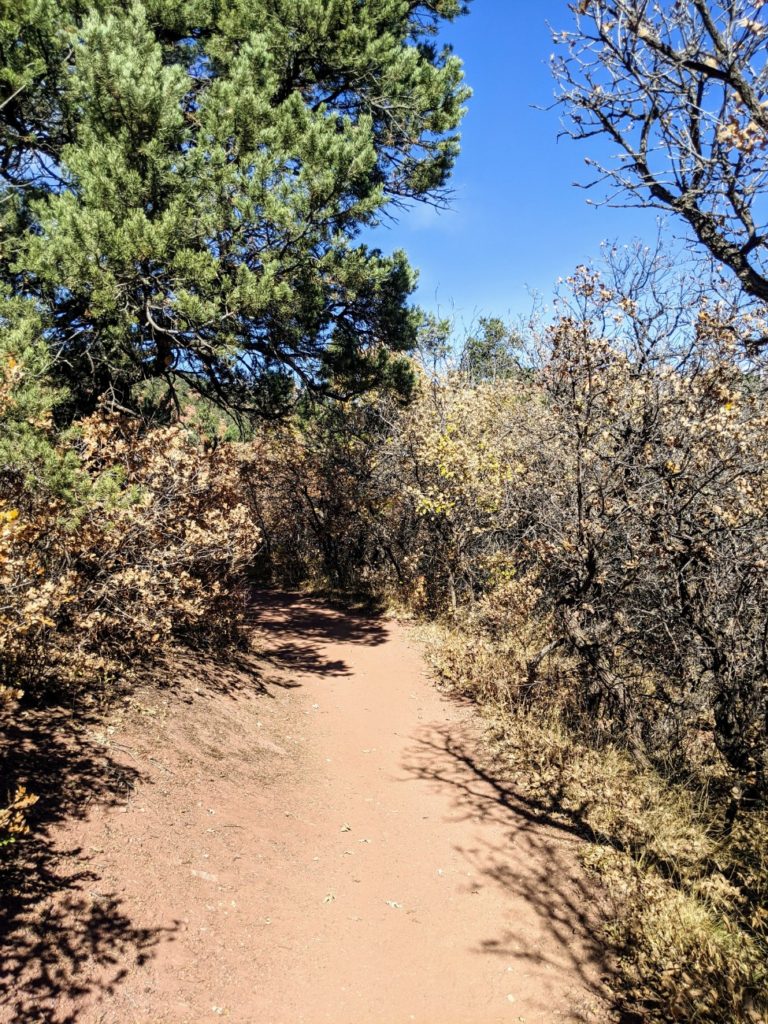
(688, 898)
(114, 539)
(13, 820)
(156, 552)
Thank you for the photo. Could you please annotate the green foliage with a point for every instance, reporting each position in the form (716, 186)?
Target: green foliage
(29, 456)
(493, 353)
(183, 184)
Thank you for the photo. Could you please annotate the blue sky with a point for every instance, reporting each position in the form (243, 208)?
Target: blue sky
(517, 223)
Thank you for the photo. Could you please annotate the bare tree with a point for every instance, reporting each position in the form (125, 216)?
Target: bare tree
(680, 87)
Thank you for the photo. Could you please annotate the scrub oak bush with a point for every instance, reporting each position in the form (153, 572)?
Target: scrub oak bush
(652, 538)
(13, 819)
(114, 542)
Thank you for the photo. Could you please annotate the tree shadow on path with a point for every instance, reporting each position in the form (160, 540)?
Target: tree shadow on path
(233, 672)
(311, 625)
(66, 939)
(62, 937)
(525, 853)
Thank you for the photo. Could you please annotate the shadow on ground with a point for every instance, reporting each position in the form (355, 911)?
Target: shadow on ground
(311, 624)
(268, 661)
(232, 672)
(61, 936)
(534, 861)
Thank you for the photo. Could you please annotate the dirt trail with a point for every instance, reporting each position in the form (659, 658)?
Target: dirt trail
(313, 843)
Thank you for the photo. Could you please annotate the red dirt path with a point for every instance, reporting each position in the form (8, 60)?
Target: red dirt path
(309, 837)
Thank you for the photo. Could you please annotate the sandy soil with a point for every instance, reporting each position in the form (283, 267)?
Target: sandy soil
(309, 835)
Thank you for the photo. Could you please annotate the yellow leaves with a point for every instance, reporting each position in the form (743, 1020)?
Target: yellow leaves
(13, 821)
(23, 800)
(161, 545)
(9, 695)
(753, 25)
(518, 470)
(436, 505)
(743, 135)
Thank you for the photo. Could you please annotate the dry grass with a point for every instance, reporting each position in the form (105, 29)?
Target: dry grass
(689, 897)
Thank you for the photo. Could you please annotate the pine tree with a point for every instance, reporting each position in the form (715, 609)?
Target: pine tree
(494, 353)
(183, 184)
